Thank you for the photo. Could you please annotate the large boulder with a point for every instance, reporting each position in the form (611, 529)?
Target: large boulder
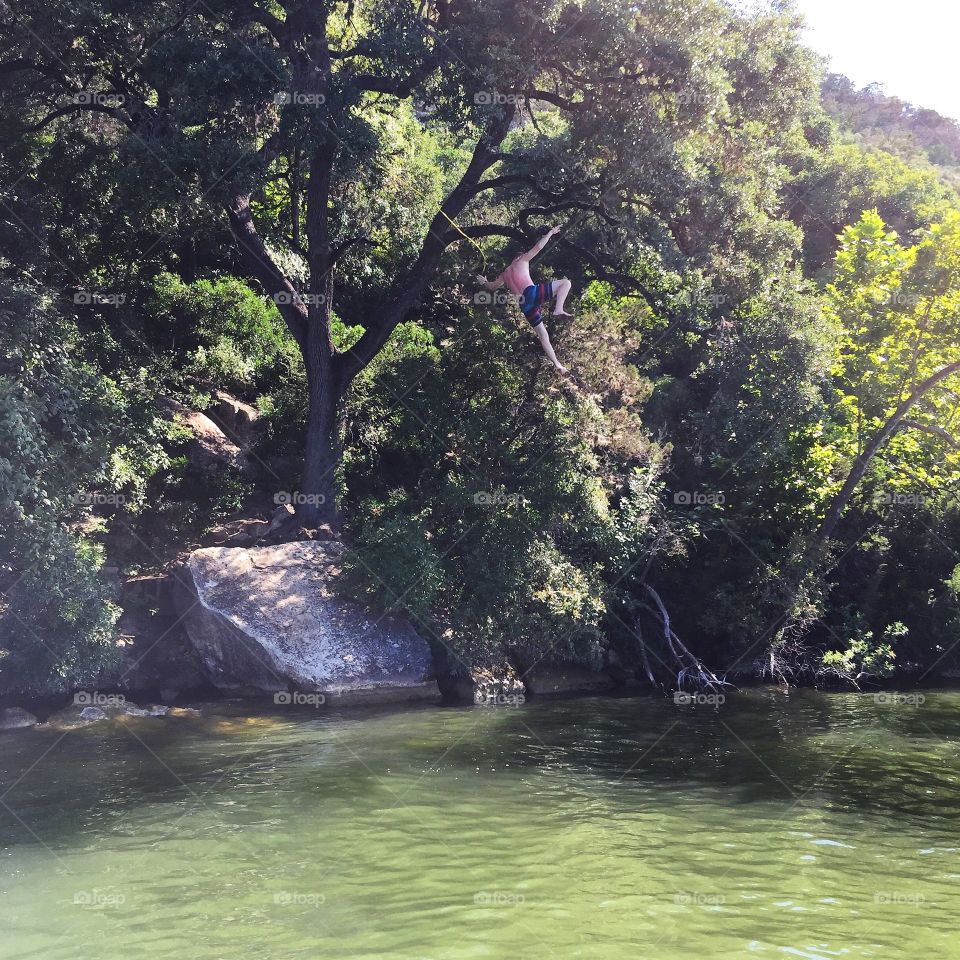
(274, 619)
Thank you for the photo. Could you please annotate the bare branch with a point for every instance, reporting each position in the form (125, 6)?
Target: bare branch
(932, 429)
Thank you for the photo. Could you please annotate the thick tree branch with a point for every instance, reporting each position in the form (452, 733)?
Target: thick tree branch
(72, 108)
(564, 103)
(525, 214)
(262, 266)
(932, 429)
(408, 291)
(339, 250)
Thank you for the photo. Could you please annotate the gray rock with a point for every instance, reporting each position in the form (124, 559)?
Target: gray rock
(153, 710)
(239, 421)
(16, 718)
(498, 686)
(106, 707)
(79, 715)
(268, 619)
(92, 714)
(501, 691)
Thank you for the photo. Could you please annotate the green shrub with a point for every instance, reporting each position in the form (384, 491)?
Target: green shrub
(75, 447)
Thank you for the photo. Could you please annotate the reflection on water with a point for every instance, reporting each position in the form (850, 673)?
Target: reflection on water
(776, 825)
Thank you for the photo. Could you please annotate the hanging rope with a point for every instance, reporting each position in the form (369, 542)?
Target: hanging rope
(482, 263)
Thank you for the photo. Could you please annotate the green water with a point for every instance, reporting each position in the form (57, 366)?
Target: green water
(800, 825)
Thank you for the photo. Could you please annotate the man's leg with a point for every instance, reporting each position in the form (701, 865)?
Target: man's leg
(541, 331)
(561, 289)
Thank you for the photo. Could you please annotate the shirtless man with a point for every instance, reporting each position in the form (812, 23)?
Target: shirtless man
(534, 295)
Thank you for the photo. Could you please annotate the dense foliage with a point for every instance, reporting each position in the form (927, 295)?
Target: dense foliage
(766, 266)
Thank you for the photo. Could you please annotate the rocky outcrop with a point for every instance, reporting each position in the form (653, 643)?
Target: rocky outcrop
(16, 718)
(274, 619)
(210, 450)
(238, 420)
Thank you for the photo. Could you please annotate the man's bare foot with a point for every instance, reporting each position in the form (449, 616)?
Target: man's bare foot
(562, 313)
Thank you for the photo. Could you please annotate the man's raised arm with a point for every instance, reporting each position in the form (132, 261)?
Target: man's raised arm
(540, 244)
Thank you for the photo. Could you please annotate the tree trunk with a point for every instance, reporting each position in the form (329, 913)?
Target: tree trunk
(317, 502)
(862, 463)
(819, 544)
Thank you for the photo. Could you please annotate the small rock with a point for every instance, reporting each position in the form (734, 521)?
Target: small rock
(81, 711)
(92, 714)
(16, 718)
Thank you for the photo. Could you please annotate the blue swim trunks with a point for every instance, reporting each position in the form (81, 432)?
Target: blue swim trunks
(533, 298)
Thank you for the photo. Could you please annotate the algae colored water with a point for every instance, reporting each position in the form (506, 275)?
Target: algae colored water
(771, 826)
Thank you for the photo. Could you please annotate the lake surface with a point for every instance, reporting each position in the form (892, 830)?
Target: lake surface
(771, 826)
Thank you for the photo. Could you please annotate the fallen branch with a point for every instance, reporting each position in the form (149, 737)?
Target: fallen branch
(644, 656)
(689, 666)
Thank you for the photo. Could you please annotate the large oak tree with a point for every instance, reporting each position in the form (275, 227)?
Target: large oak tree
(631, 119)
